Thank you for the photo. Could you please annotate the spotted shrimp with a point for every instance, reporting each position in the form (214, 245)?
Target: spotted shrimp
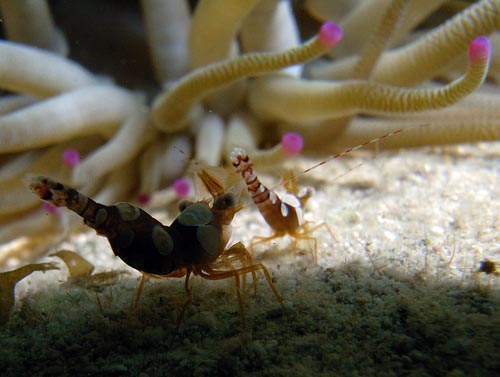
(194, 244)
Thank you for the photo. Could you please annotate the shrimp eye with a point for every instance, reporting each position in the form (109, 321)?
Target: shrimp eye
(224, 201)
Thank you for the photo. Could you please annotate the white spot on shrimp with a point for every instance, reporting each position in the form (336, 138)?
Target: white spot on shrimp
(284, 209)
(273, 197)
(291, 200)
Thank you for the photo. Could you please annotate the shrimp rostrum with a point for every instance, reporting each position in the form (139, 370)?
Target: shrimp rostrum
(195, 243)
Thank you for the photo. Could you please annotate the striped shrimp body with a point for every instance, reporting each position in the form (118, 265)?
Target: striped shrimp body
(284, 215)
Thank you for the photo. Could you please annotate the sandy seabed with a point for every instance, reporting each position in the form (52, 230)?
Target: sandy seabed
(396, 294)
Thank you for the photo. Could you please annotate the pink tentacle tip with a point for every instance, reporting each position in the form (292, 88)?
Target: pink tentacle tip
(480, 49)
(143, 198)
(182, 187)
(330, 34)
(71, 158)
(292, 144)
(51, 209)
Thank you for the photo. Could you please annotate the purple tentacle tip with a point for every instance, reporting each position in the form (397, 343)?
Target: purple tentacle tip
(182, 187)
(51, 209)
(292, 143)
(143, 198)
(71, 158)
(330, 34)
(480, 49)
